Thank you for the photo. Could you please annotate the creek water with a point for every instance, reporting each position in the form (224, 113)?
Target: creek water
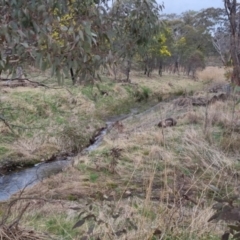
(19, 180)
(16, 181)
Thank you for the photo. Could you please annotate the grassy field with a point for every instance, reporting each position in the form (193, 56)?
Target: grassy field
(47, 120)
(143, 182)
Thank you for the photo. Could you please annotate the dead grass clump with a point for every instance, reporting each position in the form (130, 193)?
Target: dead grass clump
(230, 143)
(220, 114)
(213, 74)
(120, 90)
(193, 117)
(38, 146)
(18, 233)
(5, 129)
(156, 153)
(217, 114)
(183, 102)
(72, 139)
(196, 147)
(34, 150)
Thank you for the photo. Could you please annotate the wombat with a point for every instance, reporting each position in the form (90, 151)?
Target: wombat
(168, 122)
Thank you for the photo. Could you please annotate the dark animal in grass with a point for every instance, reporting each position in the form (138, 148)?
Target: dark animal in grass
(168, 122)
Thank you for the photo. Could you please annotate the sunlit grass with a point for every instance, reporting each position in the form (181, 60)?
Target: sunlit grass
(214, 74)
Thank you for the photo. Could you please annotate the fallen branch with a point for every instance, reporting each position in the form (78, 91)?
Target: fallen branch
(13, 231)
(23, 79)
(7, 124)
(10, 126)
(15, 223)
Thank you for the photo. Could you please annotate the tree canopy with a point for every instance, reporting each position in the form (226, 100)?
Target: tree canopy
(56, 34)
(76, 34)
(74, 38)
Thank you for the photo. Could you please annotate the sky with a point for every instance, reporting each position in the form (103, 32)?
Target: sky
(179, 6)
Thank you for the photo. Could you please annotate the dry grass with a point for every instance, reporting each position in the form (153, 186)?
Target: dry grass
(45, 122)
(169, 177)
(63, 119)
(162, 184)
(167, 84)
(214, 74)
(7, 233)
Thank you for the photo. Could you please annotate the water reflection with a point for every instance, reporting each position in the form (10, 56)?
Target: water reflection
(12, 183)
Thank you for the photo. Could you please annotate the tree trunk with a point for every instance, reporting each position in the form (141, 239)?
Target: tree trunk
(146, 66)
(176, 67)
(72, 76)
(160, 67)
(235, 78)
(233, 17)
(128, 69)
(145, 69)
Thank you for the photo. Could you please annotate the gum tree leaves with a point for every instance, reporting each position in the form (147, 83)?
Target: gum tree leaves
(53, 34)
(79, 35)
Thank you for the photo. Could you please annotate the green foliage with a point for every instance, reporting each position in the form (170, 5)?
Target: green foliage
(190, 41)
(142, 94)
(158, 44)
(136, 22)
(74, 35)
(93, 177)
(194, 59)
(3, 150)
(72, 137)
(88, 91)
(57, 35)
(58, 225)
(72, 198)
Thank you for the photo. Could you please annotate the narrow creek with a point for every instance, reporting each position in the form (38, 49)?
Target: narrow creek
(19, 180)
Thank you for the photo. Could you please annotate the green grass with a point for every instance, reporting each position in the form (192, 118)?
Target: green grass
(93, 177)
(58, 226)
(88, 92)
(57, 123)
(192, 237)
(3, 150)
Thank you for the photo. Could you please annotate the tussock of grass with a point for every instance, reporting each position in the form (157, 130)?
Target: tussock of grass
(198, 149)
(7, 233)
(193, 117)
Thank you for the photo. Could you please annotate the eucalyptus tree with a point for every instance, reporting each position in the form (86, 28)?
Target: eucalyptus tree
(135, 23)
(60, 35)
(156, 51)
(232, 8)
(185, 39)
(77, 35)
(191, 41)
(215, 22)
